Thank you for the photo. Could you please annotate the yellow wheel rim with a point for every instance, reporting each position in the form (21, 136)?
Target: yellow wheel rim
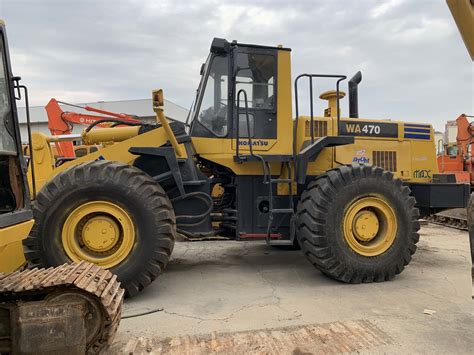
(370, 226)
(99, 232)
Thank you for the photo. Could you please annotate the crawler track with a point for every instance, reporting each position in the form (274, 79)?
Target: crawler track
(454, 218)
(98, 287)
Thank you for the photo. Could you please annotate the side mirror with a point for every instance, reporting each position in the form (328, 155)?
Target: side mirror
(220, 45)
(16, 86)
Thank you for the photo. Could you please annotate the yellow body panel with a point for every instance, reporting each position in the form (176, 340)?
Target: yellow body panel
(11, 247)
(44, 161)
(220, 151)
(415, 159)
(11, 257)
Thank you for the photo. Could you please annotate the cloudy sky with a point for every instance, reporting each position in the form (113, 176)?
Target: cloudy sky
(415, 66)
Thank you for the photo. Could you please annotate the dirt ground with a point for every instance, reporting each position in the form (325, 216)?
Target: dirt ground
(245, 297)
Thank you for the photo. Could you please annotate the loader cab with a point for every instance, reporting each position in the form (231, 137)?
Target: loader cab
(237, 79)
(14, 199)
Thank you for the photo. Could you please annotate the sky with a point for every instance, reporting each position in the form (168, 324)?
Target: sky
(414, 64)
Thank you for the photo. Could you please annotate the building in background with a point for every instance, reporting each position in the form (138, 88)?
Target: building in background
(141, 108)
(439, 141)
(450, 132)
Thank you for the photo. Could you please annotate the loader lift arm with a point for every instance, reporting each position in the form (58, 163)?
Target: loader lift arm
(61, 122)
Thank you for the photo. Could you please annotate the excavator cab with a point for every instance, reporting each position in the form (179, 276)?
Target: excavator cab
(16, 218)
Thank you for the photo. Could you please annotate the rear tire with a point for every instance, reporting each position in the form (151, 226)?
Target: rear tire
(145, 241)
(358, 224)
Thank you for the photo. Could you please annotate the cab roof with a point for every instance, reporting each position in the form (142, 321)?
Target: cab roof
(220, 45)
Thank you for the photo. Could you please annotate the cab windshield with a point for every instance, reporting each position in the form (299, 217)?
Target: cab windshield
(211, 109)
(204, 67)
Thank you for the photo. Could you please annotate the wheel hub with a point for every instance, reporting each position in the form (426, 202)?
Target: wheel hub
(100, 233)
(369, 226)
(366, 225)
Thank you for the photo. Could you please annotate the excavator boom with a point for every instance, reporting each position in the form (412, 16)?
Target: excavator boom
(61, 122)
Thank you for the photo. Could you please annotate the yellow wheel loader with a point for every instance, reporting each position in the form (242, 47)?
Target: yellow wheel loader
(463, 14)
(70, 308)
(348, 191)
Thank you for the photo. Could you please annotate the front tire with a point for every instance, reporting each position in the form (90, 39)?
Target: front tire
(358, 224)
(107, 213)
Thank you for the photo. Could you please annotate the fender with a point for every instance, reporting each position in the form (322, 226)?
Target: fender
(311, 152)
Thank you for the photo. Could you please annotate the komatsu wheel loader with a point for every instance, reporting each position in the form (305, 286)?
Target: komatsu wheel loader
(348, 191)
(70, 308)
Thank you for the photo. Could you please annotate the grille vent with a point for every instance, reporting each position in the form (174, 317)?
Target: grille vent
(320, 128)
(387, 160)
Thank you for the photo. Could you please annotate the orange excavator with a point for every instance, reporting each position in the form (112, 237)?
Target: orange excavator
(456, 165)
(62, 122)
(458, 161)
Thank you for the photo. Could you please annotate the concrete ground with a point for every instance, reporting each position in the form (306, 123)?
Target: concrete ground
(245, 297)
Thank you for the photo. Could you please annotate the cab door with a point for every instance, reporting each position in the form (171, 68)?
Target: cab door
(254, 74)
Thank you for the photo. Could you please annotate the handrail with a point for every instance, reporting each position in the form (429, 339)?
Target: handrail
(238, 122)
(18, 87)
(310, 77)
(266, 171)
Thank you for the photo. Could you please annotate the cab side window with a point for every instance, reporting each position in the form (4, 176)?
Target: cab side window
(255, 73)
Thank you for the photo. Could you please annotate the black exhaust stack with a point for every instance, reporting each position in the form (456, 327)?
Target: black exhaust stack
(353, 95)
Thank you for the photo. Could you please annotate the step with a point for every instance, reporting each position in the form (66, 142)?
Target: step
(228, 225)
(224, 218)
(282, 210)
(194, 182)
(280, 242)
(249, 236)
(282, 180)
(267, 157)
